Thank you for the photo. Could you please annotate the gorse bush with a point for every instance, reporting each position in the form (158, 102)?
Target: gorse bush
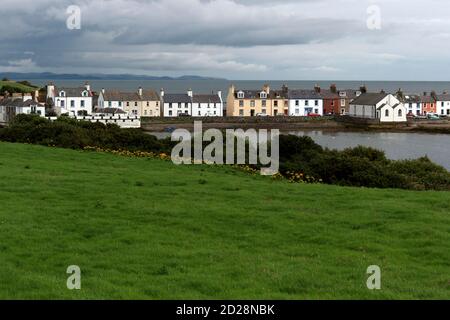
(301, 159)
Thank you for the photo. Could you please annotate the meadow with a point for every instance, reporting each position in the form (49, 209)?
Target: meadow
(146, 229)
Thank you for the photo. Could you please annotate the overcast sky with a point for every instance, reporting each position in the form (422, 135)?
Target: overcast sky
(235, 39)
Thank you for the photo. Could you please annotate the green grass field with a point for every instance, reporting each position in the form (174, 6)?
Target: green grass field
(146, 229)
(21, 87)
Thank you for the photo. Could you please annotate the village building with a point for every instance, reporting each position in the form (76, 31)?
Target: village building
(346, 96)
(207, 105)
(142, 103)
(443, 104)
(378, 106)
(412, 104)
(72, 101)
(305, 103)
(10, 107)
(177, 104)
(331, 100)
(250, 103)
(428, 104)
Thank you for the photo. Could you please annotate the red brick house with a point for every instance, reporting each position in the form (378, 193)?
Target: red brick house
(331, 100)
(428, 104)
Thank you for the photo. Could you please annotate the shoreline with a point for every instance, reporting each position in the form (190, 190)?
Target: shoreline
(291, 124)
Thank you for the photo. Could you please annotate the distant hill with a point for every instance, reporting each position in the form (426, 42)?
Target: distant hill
(55, 76)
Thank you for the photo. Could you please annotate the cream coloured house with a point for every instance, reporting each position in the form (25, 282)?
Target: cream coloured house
(142, 103)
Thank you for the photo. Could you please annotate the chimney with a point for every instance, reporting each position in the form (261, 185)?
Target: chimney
(317, 88)
(219, 93)
(266, 88)
(50, 90)
(103, 90)
(87, 86)
(36, 95)
(382, 91)
(333, 88)
(190, 93)
(425, 94)
(232, 89)
(161, 92)
(140, 91)
(363, 89)
(284, 88)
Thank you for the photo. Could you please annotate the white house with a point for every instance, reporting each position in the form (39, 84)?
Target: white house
(10, 107)
(72, 101)
(443, 104)
(412, 104)
(207, 105)
(175, 105)
(382, 106)
(305, 102)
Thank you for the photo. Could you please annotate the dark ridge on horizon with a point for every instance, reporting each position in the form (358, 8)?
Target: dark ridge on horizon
(70, 76)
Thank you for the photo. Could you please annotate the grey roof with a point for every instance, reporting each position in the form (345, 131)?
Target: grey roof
(120, 96)
(249, 94)
(349, 93)
(18, 102)
(410, 98)
(427, 99)
(206, 98)
(109, 110)
(304, 94)
(177, 98)
(443, 97)
(115, 95)
(369, 99)
(328, 94)
(73, 92)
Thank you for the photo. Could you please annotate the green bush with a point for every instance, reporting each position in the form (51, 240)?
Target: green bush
(360, 166)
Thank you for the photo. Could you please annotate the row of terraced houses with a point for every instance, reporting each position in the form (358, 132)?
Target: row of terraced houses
(382, 106)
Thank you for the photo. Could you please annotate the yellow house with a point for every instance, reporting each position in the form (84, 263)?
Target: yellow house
(143, 103)
(250, 103)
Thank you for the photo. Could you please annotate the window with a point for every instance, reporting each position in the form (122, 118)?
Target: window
(386, 113)
(297, 111)
(306, 102)
(109, 104)
(135, 104)
(252, 103)
(170, 106)
(135, 112)
(400, 112)
(62, 94)
(72, 103)
(145, 112)
(120, 103)
(263, 111)
(275, 103)
(316, 111)
(240, 95)
(297, 103)
(263, 95)
(84, 94)
(170, 112)
(199, 113)
(316, 102)
(342, 102)
(128, 103)
(264, 103)
(448, 111)
(241, 112)
(148, 103)
(332, 103)
(62, 103)
(82, 103)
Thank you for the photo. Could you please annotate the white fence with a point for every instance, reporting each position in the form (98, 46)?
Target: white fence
(122, 121)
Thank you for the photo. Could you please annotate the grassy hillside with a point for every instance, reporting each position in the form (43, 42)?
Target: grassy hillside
(147, 229)
(17, 86)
